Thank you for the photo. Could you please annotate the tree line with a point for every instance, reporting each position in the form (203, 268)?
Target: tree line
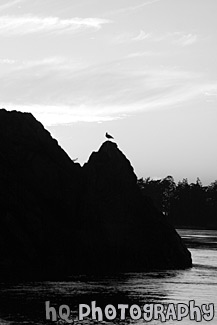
(184, 205)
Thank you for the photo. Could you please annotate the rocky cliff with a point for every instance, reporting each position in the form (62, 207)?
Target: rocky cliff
(59, 218)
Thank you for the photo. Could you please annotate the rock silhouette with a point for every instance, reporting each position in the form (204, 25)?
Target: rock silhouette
(58, 218)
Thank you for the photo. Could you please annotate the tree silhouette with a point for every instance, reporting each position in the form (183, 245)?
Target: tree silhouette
(184, 205)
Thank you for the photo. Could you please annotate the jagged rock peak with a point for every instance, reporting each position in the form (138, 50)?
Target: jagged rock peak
(111, 149)
(24, 130)
(112, 160)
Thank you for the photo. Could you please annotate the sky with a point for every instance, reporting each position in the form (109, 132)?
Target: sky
(143, 70)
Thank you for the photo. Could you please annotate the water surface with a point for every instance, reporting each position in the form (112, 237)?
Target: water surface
(24, 303)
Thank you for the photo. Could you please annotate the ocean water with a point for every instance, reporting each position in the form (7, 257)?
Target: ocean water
(24, 303)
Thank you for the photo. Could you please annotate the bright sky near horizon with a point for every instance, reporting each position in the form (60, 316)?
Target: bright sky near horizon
(143, 70)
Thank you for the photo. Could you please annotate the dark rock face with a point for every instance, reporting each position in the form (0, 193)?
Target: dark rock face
(39, 196)
(58, 218)
(130, 233)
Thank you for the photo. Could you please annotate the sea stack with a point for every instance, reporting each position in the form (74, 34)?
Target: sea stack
(58, 218)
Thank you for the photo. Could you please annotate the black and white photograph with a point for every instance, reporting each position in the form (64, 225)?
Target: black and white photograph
(108, 162)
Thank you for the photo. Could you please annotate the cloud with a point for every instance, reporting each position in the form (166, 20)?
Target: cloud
(142, 36)
(21, 64)
(28, 24)
(179, 38)
(60, 114)
(128, 37)
(144, 53)
(7, 61)
(186, 39)
(97, 110)
(96, 93)
(9, 4)
(211, 95)
(131, 8)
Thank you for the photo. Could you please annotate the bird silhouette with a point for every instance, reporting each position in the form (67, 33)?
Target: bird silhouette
(108, 136)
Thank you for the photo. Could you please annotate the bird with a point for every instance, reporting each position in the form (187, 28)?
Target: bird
(108, 136)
